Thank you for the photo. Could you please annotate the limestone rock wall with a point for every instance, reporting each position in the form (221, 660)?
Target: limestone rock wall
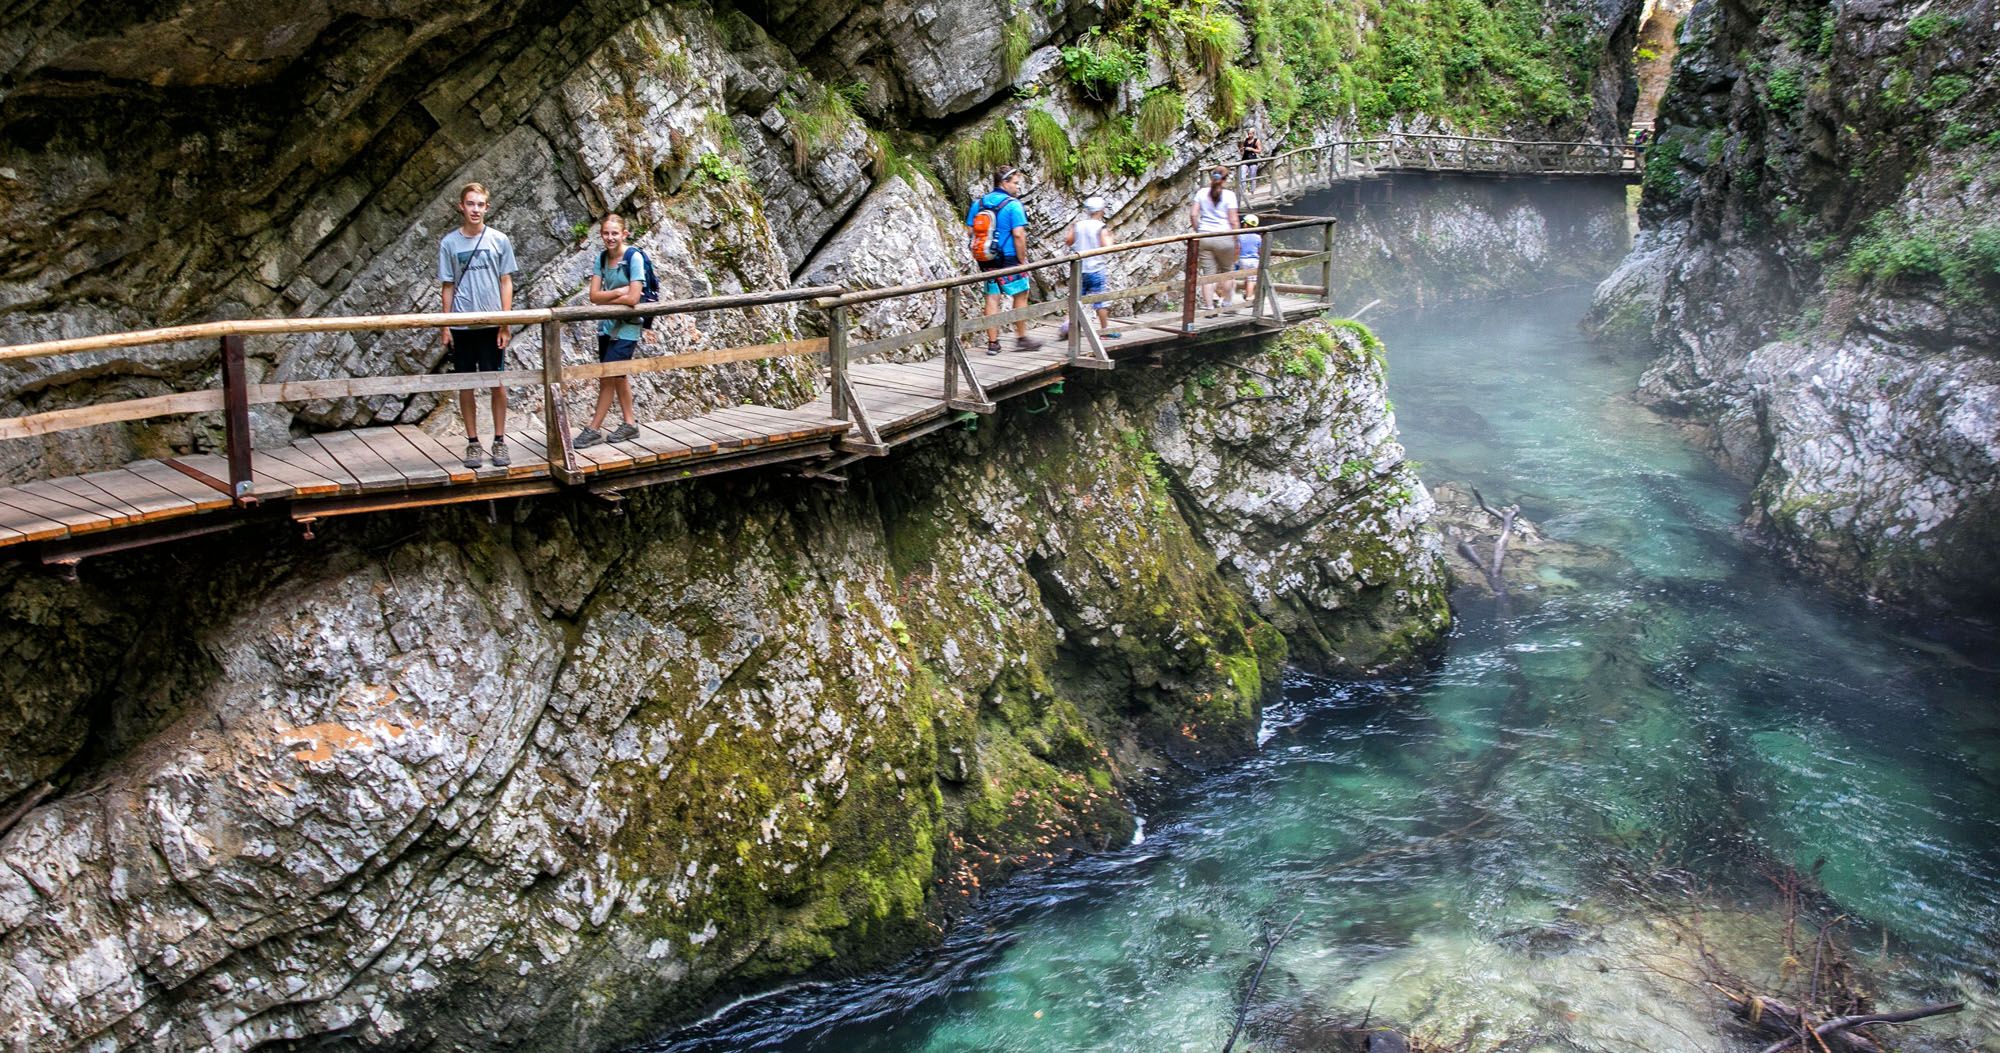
(1821, 270)
(434, 783)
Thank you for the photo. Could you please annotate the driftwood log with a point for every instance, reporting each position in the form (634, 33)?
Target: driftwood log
(1491, 567)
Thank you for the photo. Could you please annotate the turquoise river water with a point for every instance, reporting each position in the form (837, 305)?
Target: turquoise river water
(1546, 842)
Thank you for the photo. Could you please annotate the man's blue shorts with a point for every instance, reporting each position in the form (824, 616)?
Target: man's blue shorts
(1011, 286)
(1093, 282)
(609, 350)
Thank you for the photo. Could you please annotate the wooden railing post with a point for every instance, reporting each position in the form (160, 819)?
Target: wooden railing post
(562, 459)
(1326, 265)
(836, 355)
(236, 420)
(1187, 291)
(952, 352)
(1076, 317)
(1242, 195)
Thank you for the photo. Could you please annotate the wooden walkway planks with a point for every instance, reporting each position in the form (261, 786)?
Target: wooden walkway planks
(406, 465)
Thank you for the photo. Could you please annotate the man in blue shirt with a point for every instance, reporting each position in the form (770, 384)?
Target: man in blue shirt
(614, 283)
(1010, 234)
(476, 269)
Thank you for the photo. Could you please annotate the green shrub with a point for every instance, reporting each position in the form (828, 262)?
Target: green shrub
(716, 168)
(1099, 65)
(1784, 88)
(1892, 249)
(1116, 148)
(891, 161)
(1943, 90)
(1161, 113)
(1957, 136)
(1016, 41)
(819, 118)
(1924, 27)
(1235, 92)
(1048, 141)
(977, 156)
(1214, 36)
(1663, 170)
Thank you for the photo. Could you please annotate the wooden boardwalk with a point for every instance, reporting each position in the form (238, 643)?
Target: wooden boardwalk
(378, 468)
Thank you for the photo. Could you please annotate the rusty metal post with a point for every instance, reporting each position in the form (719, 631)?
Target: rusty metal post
(952, 352)
(836, 354)
(1188, 290)
(236, 420)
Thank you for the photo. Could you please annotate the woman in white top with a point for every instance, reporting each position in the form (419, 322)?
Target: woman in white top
(1214, 209)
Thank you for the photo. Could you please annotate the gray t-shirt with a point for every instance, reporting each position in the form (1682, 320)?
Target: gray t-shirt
(473, 266)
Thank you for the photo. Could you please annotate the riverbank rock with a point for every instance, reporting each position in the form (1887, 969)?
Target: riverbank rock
(1820, 272)
(431, 782)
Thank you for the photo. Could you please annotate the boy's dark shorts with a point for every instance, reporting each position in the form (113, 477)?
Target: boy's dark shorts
(1093, 282)
(476, 351)
(609, 350)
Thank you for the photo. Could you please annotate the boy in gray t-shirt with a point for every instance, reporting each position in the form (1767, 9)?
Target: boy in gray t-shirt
(476, 268)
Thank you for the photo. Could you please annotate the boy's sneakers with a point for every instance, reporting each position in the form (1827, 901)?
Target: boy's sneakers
(1111, 336)
(992, 347)
(625, 432)
(1026, 343)
(500, 458)
(586, 437)
(475, 454)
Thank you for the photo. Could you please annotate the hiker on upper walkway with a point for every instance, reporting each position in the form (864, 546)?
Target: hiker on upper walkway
(618, 280)
(476, 268)
(997, 227)
(1087, 233)
(1252, 150)
(1214, 211)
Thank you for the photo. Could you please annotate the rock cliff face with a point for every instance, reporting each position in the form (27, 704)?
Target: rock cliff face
(553, 781)
(1821, 269)
(434, 782)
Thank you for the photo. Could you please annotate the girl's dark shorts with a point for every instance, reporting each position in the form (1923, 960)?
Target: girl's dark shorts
(609, 350)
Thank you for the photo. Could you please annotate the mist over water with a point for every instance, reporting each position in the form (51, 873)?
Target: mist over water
(1516, 845)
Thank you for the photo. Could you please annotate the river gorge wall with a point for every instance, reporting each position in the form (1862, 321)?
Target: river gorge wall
(1820, 269)
(557, 778)
(552, 781)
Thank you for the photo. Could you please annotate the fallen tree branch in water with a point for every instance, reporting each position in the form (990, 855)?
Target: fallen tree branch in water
(1840, 1024)
(1271, 942)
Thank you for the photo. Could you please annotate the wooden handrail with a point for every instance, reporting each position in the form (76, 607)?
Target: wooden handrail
(351, 323)
(237, 393)
(871, 295)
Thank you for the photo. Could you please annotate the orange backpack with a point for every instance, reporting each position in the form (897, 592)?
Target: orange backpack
(985, 227)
